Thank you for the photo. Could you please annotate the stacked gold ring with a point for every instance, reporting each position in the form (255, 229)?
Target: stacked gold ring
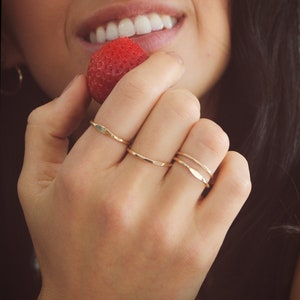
(105, 131)
(204, 167)
(192, 170)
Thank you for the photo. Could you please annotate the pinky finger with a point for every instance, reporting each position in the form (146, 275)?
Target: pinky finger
(220, 207)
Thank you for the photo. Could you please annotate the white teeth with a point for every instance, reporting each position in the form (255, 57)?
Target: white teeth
(167, 20)
(93, 38)
(100, 35)
(156, 22)
(126, 28)
(141, 24)
(112, 31)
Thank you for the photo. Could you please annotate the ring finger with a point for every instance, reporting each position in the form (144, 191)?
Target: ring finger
(202, 152)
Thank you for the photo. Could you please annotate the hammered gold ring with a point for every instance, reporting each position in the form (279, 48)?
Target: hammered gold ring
(102, 129)
(149, 160)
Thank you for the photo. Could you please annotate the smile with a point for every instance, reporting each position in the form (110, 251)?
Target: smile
(129, 27)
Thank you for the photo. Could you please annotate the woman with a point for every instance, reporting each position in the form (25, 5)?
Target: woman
(89, 211)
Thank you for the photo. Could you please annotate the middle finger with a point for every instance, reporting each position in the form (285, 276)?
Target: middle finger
(163, 133)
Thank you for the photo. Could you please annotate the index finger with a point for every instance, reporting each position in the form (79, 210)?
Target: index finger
(129, 104)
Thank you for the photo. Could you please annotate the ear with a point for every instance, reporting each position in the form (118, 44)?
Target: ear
(10, 54)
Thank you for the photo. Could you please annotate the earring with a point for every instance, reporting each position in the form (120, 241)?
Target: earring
(10, 81)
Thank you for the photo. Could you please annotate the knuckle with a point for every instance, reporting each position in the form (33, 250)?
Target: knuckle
(115, 218)
(35, 116)
(116, 212)
(40, 115)
(134, 86)
(239, 187)
(161, 236)
(209, 134)
(196, 256)
(161, 231)
(112, 208)
(72, 183)
(238, 176)
(183, 104)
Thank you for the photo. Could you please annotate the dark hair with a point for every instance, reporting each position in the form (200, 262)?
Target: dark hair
(260, 110)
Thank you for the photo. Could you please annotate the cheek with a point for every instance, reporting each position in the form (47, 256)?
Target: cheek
(51, 70)
(41, 40)
(208, 54)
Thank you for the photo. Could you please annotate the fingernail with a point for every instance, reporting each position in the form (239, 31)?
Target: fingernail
(176, 56)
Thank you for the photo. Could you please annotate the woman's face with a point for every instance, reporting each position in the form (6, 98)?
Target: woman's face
(55, 38)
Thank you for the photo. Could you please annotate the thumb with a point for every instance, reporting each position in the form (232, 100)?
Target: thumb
(46, 139)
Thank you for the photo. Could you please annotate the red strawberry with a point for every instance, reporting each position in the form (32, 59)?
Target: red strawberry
(110, 63)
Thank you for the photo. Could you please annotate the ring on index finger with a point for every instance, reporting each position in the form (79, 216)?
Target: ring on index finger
(102, 129)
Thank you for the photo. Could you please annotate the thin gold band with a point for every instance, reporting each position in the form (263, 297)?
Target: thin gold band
(102, 129)
(194, 172)
(149, 160)
(204, 167)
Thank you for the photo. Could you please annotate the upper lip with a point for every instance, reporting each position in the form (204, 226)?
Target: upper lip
(118, 11)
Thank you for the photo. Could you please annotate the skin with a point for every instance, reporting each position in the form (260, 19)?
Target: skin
(206, 31)
(105, 224)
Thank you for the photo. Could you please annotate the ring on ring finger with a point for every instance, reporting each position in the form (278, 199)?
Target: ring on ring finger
(197, 174)
(204, 167)
(194, 172)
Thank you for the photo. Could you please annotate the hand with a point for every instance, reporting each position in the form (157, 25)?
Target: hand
(108, 225)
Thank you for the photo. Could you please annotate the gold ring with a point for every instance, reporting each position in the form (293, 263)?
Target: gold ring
(102, 129)
(149, 160)
(204, 167)
(194, 172)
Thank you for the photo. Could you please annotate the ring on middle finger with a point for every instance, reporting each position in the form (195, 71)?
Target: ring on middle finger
(149, 160)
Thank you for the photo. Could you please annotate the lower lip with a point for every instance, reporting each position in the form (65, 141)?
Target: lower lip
(150, 42)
